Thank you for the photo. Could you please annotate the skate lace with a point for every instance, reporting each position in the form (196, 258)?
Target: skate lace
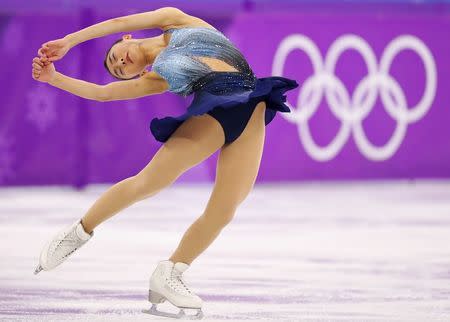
(179, 284)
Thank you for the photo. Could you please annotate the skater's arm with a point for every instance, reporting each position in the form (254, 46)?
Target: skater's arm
(120, 90)
(76, 86)
(148, 84)
(163, 18)
(160, 18)
(44, 71)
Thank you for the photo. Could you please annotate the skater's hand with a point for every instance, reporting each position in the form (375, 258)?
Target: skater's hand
(43, 70)
(54, 49)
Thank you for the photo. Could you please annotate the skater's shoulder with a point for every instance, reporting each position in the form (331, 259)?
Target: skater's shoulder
(187, 22)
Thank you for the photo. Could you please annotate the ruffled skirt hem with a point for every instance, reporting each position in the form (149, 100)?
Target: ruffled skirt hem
(269, 89)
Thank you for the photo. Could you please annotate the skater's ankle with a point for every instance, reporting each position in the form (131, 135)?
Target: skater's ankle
(175, 260)
(88, 230)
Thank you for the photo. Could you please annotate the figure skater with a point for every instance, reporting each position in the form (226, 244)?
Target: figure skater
(230, 110)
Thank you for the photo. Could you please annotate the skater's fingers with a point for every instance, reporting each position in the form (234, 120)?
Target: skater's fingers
(45, 62)
(37, 60)
(53, 58)
(42, 51)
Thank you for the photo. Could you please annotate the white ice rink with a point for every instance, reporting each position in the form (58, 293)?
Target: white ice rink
(293, 252)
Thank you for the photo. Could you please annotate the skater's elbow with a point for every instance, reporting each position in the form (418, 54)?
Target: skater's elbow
(145, 85)
(103, 95)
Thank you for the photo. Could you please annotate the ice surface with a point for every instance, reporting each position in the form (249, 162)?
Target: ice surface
(375, 251)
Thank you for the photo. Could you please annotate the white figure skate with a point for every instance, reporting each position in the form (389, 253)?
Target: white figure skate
(166, 283)
(64, 244)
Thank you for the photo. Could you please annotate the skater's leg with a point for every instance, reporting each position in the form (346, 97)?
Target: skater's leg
(194, 141)
(237, 169)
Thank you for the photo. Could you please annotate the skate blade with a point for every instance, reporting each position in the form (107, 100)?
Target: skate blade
(38, 269)
(180, 315)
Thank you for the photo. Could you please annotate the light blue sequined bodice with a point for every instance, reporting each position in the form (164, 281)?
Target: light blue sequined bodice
(179, 65)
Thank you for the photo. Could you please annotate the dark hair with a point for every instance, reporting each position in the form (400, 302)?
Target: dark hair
(106, 58)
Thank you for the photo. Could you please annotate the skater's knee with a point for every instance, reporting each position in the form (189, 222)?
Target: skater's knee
(219, 217)
(241, 195)
(146, 187)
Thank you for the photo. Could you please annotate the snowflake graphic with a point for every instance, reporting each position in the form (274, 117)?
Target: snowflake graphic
(41, 107)
(6, 158)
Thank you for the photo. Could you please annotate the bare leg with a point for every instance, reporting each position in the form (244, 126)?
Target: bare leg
(237, 169)
(194, 141)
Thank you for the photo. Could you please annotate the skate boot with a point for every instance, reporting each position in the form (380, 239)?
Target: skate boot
(166, 283)
(64, 244)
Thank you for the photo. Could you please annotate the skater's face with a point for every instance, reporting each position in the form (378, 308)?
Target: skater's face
(125, 60)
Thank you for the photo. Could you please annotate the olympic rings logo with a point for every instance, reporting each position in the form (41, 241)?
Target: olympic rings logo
(352, 110)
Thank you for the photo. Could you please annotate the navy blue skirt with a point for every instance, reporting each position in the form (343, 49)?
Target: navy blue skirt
(229, 91)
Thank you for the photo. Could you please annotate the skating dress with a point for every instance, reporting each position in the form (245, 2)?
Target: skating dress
(230, 97)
